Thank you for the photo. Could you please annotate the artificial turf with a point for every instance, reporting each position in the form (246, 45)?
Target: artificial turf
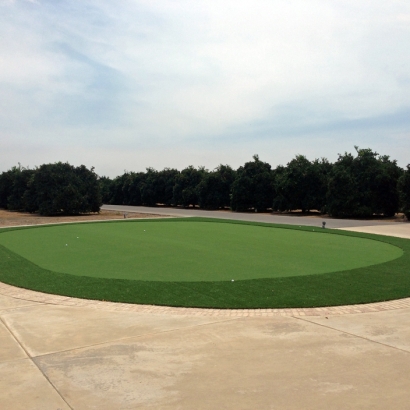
(195, 251)
(374, 282)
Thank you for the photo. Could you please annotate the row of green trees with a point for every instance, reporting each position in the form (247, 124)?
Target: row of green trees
(358, 185)
(51, 189)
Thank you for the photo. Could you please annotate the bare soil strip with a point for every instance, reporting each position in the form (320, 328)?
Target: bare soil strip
(8, 218)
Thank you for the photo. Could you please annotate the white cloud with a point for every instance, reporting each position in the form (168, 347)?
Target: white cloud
(146, 75)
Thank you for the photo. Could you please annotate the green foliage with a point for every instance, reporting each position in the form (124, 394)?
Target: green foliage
(131, 189)
(158, 186)
(18, 199)
(355, 186)
(301, 185)
(116, 194)
(342, 198)
(150, 187)
(185, 190)
(386, 200)
(30, 197)
(363, 185)
(404, 191)
(51, 189)
(61, 188)
(126, 189)
(214, 189)
(6, 186)
(253, 186)
(105, 185)
(13, 184)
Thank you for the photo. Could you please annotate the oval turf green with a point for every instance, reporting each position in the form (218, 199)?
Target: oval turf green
(192, 251)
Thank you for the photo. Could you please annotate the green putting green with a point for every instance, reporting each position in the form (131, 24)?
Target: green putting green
(191, 262)
(192, 251)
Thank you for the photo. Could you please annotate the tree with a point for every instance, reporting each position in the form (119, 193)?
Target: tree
(185, 190)
(89, 189)
(116, 194)
(105, 187)
(14, 185)
(215, 188)
(61, 188)
(253, 186)
(387, 200)
(404, 192)
(364, 185)
(30, 196)
(126, 189)
(17, 199)
(301, 184)
(158, 186)
(342, 198)
(6, 186)
(148, 188)
(167, 178)
(131, 188)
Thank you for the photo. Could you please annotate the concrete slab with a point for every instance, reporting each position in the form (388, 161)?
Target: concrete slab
(390, 328)
(402, 230)
(46, 329)
(7, 302)
(250, 363)
(9, 347)
(24, 387)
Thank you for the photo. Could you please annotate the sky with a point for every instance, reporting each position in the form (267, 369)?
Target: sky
(129, 84)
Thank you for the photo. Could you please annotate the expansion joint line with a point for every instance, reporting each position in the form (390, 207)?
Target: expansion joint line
(35, 364)
(351, 334)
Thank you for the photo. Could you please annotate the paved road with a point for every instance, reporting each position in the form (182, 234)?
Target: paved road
(253, 217)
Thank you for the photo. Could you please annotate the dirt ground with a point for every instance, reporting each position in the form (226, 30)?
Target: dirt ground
(8, 218)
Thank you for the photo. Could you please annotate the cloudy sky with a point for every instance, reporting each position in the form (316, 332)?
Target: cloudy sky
(129, 84)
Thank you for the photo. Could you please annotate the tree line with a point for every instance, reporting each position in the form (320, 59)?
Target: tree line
(51, 189)
(359, 185)
(356, 185)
